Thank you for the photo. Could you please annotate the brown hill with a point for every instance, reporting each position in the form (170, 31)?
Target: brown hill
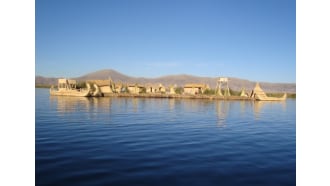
(40, 80)
(179, 80)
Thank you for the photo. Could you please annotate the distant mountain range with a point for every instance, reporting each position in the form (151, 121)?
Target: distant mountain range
(179, 80)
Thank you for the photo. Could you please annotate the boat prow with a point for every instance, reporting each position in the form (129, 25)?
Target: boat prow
(67, 87)
(260, 95)
(283, 98)
(76, 93)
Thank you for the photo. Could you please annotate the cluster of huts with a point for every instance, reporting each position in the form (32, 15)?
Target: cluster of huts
(109, 87)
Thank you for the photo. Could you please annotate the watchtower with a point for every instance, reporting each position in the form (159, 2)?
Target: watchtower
(223, 81)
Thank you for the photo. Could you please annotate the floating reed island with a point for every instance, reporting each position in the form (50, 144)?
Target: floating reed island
(178, 96)
(108, 88)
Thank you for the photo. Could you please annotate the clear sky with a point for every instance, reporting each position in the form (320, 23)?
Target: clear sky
(250, 39)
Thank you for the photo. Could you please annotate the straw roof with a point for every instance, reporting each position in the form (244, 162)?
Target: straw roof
(195, 85)
(65, 81)
(100, 82)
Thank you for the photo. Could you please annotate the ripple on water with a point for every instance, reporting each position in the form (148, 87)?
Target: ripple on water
(120, 141)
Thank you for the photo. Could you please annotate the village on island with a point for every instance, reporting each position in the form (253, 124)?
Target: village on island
(108, 88)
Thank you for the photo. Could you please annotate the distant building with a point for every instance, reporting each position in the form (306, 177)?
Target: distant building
(155, 88)
(161, 88)
(110, 87)
(243, 93)
(105, 86)
(194, 88)
(222, 81)
(172, 90)
(67, 84)
(134, 88)
(118, 87)
(151, 88)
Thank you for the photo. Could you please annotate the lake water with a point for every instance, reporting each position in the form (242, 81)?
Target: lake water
(139, 141)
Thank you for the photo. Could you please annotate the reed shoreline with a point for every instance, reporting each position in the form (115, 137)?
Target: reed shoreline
(178, 96)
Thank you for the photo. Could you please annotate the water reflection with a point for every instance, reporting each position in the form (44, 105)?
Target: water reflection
(171, 104)
(259, 107)
(242, 106)
(66, 104)
(101, 104)
(196, 106)
(128, 104)
(190, 105)
(222, 109)
(135, 104)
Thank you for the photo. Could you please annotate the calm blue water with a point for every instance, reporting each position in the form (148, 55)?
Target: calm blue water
(136, 141)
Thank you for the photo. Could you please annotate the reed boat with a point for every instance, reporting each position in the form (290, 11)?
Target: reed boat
(68, 87)
(259, 95)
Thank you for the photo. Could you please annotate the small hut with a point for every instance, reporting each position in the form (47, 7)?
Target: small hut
(105, 86)
(243, 93)
(155, 88)
(134, 88)
(194, 88)
(172, 90)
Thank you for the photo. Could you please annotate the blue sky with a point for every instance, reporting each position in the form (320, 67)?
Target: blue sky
(250, 39)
